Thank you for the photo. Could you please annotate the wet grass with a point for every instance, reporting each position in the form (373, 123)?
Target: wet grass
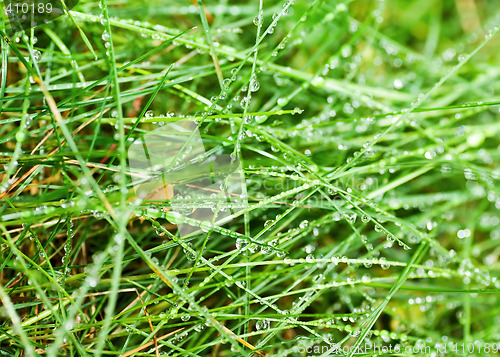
(368, 134)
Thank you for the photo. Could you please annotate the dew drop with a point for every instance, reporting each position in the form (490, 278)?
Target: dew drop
(259, 19)
(241, 243)
(262, 325)
(304, 224)
(282, 102)
(185, 317)
(105, 36)
(36, 55)
(254, 85)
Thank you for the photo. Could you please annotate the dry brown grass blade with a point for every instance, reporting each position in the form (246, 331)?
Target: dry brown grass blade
(140, 348)
(50, 132)
(210, 17)
(155, 341)
(15, 230)
(57, 115)
(240, 340)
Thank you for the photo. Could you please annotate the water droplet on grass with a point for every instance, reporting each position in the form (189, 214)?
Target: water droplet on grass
(36, 55)
(105, 36)
(429, 155)
(185, 318)
(241, 243)
(262, 325)
(318, 81)
(383, 263)
(282, 102)
(254, 85)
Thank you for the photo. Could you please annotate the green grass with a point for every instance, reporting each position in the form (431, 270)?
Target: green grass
(368, 133)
